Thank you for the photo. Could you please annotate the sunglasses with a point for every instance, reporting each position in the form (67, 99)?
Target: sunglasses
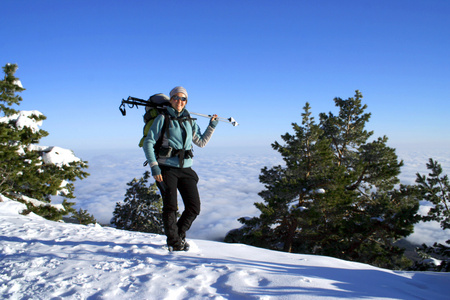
(176, 98)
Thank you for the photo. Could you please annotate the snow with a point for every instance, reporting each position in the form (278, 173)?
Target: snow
(18, 83)
(56, 155)
(38, 203)
(41, 259)
(24, 119)
(9, 207)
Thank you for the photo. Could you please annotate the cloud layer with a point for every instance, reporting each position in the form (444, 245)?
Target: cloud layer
(229, 185)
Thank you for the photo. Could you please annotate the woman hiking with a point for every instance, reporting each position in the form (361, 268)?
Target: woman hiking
(171, 165)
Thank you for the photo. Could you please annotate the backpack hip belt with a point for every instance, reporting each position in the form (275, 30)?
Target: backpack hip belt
(182, 154)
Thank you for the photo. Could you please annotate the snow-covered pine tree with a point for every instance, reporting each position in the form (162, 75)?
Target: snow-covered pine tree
(141, 209)
(26, 169)
(335, 194)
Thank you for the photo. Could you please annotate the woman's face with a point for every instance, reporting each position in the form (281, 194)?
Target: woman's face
(178, 101)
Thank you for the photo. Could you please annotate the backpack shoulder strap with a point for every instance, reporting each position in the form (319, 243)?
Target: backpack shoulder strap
(164, 130)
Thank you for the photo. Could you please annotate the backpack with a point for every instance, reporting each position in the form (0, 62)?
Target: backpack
(157, 105)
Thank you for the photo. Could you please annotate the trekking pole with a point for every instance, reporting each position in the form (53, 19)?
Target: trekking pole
(135, 102)
(230, 120)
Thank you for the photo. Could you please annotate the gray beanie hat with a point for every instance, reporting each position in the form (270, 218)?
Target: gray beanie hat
(178, 89)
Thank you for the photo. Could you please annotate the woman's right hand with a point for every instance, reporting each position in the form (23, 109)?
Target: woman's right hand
(156, 172)
(158, 178)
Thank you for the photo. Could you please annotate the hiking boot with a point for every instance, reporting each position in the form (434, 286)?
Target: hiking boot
(181, 245)
(185, 245)
(176, 248)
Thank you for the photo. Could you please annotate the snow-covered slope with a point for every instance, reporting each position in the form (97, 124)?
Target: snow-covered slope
(40, 259)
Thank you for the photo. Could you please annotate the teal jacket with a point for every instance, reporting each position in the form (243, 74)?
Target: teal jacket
(193, 136)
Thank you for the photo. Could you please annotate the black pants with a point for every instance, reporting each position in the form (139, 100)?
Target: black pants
(185, 181)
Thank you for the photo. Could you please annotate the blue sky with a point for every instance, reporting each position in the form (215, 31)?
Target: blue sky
(257, 61)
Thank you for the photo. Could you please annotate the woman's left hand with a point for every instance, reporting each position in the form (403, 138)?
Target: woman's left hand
(214, 120)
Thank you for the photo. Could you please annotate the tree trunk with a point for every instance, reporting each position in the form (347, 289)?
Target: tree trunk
(289, 240)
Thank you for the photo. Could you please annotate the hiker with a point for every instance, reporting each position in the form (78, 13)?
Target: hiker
(171, 164)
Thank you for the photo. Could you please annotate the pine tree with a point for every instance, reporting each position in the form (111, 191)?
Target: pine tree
(141, 209)
(9, 86)
(24, 172)
(436, 189)
(335, 194)
(12, 164)
(290, 190)
(374, 214)
(82, 216)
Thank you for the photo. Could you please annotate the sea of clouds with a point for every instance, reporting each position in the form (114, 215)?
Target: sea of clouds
(229, 185)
